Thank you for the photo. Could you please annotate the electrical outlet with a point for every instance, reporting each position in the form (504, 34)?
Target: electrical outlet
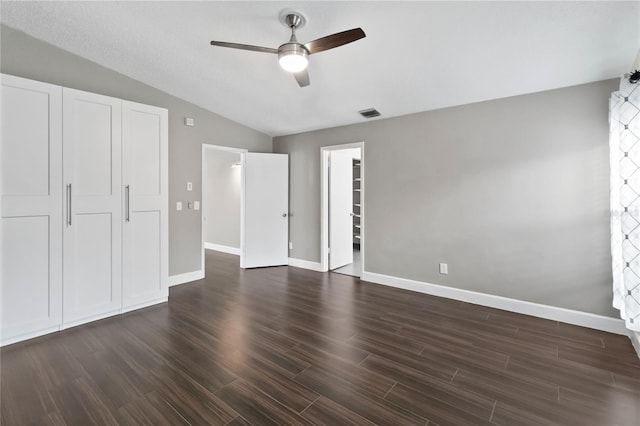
(290, 245)
(179, 205)
(196, 205)
(188, 121)
(444, 268)
(189, 186)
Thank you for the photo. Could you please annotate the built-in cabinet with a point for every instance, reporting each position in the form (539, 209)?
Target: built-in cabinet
(84, 207)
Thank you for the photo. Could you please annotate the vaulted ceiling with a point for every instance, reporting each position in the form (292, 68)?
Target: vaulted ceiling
(417, 56)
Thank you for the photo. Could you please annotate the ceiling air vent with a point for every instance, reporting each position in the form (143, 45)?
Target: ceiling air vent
(369, 113)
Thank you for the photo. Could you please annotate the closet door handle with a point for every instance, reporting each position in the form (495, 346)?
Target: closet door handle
(126, 203)
(69, 205)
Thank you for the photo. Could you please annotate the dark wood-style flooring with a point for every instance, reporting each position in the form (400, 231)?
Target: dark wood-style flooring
(285, 345)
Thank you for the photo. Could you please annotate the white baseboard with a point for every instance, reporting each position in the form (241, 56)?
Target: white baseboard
(584, 319)
(305, 264)
(91, 318)
(186, 277)
(224, 249)
(635, 341)
(26, 336)
(143, 305)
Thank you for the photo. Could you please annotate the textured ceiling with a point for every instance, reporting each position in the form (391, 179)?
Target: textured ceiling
(417, 56)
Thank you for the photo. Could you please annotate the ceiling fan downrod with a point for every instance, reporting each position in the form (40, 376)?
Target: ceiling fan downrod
(292, 55)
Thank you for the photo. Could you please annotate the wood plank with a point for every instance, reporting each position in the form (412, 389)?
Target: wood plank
(325, 412)
(435, 410)
(256, 407)
(376, 410)
(444, 392)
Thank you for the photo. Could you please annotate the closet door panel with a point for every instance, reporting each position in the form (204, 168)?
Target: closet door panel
(93, 206)
(145, 242)
(25, 272)
(93, 169)
(145, 155)
(25, 159)
(93, 263)
(142, 259)
(31, 278)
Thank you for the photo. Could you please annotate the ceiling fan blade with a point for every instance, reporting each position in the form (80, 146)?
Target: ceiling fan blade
(244, 47)
(335, 40)
(302, 77)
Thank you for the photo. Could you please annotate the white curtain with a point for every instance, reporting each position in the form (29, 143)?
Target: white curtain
(624, 142)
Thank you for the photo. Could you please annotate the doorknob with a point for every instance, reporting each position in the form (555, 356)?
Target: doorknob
(352, 214)
(284, 215)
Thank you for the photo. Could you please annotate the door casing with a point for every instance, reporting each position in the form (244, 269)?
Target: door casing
(324, 202)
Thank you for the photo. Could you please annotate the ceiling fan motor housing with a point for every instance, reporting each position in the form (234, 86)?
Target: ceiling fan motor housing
(292, 56)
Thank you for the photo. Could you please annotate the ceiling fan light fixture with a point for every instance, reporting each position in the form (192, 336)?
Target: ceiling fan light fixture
(293, 57)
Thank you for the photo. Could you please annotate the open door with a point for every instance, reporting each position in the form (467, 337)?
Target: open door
(340, 209)
(266, 210)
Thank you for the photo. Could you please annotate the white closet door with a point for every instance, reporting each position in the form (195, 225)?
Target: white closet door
(93, 206)
(31, 289)
(145, 185)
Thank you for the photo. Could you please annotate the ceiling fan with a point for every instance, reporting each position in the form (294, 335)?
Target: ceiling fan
(292, 55)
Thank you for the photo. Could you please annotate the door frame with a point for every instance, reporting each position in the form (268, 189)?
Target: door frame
(324, 201)
(242, 152)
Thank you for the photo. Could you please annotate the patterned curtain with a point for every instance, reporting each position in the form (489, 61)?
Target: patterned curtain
(624, 142)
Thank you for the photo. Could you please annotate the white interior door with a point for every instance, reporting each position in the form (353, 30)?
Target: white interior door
(145, 252)
(340, 209)
(92, 165)
(266, 210)
(31, 286)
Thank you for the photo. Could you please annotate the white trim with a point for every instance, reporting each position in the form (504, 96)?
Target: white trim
(186, 277)
(27, 336)
(242, 152)
(305, 264)
(144, 305)
(225, 148)
(324, 201)
(91, 318)
(223, 249)
(635, 341)
(584, 319)
(243, 193)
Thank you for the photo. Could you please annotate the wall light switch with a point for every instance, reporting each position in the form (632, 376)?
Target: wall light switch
(444, 268)
(188, 121)
(196, 205)
(290, 245)
(179, 205)
(189, 186)
(189, 205)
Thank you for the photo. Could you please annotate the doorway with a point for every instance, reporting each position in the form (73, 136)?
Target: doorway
(245, 205)
(222, 199)
(343, 210)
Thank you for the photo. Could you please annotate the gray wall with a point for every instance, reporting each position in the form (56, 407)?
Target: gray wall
(24, 56)
(221, 198)
(513, 194)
